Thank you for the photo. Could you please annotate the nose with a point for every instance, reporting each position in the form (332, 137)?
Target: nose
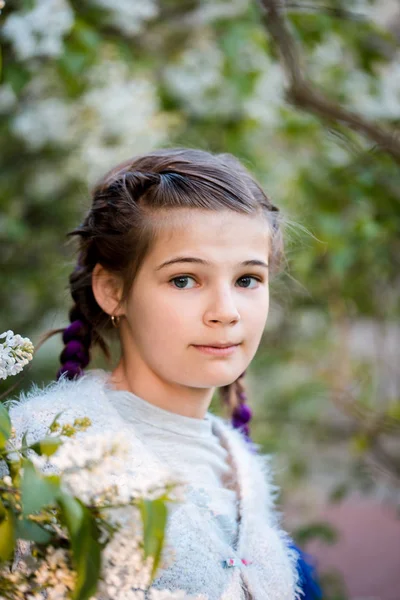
(222, 308)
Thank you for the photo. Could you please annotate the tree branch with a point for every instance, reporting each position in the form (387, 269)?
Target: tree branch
(303, 94)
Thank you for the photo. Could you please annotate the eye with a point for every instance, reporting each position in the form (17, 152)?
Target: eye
(247, 278)
(181, 280)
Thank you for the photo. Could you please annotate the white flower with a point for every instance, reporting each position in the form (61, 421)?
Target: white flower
(196, 78)
(212, 10)
(55, 574)
(48, 120)
(7, 98)
(124, 564)
(118, 117)
(267, 98)
(94, 469)
(15, 353)
(39, 32)
(129, 15)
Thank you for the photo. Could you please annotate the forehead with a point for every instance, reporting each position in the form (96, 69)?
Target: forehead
(211, 234)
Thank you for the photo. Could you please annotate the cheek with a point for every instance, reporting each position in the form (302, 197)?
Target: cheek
(157, 320)
(255, 319)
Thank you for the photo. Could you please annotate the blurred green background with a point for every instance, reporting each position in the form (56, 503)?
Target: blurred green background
(87, 84)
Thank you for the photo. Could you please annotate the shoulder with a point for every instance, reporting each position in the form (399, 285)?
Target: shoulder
(33, 411)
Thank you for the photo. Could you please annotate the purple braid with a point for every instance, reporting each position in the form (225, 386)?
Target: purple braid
(242, 413)
(77, 339)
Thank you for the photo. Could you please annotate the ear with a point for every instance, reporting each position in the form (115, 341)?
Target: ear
(107, 290)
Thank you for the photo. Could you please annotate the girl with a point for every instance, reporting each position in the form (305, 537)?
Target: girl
(174, 260)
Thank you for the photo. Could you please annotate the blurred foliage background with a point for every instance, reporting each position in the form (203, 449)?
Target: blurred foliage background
(87, 84)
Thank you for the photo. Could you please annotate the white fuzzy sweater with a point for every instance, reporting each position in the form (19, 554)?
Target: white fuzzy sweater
(191, 447)
(200, 550)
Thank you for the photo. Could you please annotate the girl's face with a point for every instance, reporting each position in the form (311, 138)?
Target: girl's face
(194, 288)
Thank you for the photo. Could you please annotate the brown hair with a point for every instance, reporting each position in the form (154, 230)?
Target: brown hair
(122, 224)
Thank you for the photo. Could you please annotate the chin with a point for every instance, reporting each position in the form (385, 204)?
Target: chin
(218, 380)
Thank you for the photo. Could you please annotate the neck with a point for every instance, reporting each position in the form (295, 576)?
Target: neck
(176, 398)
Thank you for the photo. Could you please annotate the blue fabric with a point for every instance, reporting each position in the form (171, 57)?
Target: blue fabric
(308, 576)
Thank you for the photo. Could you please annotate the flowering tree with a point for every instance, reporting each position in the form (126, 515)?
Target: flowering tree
(307, 95)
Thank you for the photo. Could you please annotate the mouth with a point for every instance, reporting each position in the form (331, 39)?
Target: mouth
(218, 345)
(220, 350)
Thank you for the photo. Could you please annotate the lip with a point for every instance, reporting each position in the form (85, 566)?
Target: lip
(217, 350)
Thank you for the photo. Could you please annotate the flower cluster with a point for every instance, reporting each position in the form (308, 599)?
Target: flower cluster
(128, 16)
(39, 31)
(81, 478)
(15, 353)
(91, 125)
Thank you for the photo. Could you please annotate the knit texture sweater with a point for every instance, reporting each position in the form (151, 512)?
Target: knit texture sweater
(194, 531)
(190, 447)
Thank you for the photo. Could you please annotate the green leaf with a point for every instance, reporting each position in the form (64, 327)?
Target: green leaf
(14, 467)
(5, 426)
(360, 443)
(321, 530)
(47, 446)
(54, 422)
(37, 490)
(24, 441)
(73, 514)
(28, 530)
(339, 492)
(24, 445)
(16, 75)
(3, 512)
(154, 518)
(86, 550)
(7, 536)
(87, 553)
(393, 410)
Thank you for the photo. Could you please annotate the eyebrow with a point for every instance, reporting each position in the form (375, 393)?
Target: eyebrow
(200, 261)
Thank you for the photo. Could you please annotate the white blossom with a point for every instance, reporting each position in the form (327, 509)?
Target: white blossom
(118, 117)
(196, 78)
(380, 98)
(93, 468)
(383, 12)
(264, 103)
(208, 11)
(124, 565)
(48, 120)
(198, 69)
(8, 98)
(39, 31)
(129, 16)
(47, 183)
(55, 574)
(15, 353)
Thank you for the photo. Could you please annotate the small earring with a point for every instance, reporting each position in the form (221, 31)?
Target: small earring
(115, 321)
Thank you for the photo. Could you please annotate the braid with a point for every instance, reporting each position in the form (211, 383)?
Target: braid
(234, 396)
(77, 338)
(81, 334)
